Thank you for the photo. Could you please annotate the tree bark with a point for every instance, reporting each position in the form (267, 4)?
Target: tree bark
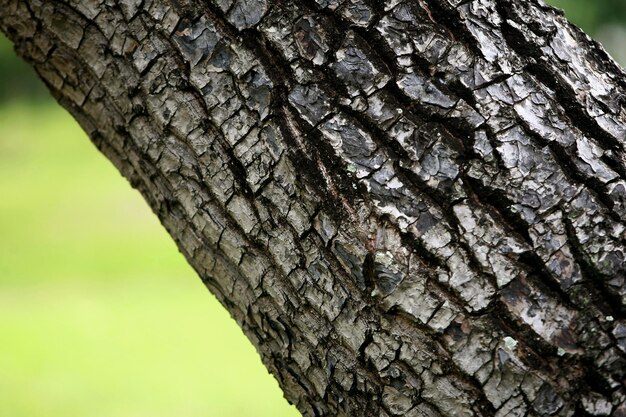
(411, 207)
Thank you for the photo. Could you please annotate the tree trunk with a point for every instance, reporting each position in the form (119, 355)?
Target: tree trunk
(411, 207)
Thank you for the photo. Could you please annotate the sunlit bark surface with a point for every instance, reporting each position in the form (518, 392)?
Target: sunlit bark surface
(411, 207)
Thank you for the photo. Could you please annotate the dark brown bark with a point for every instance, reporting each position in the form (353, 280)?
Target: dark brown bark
(411, 207)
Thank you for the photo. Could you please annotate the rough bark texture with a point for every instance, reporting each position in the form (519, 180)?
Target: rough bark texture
(411, 207)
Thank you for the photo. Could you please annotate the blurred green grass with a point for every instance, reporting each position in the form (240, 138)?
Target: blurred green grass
(99, 313)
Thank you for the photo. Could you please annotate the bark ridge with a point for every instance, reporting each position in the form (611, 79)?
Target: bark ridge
(412, 207)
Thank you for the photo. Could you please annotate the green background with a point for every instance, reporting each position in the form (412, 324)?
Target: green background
(99, 313)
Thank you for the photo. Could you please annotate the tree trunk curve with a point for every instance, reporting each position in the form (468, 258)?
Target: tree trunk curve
(411, 207)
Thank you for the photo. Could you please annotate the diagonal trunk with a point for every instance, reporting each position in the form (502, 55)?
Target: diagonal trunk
(411, 207)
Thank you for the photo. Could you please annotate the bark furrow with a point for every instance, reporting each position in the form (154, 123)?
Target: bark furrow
(412, 207)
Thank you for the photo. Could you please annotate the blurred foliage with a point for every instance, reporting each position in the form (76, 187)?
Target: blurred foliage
(590, 15)
(17, 78)
(99, 313)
